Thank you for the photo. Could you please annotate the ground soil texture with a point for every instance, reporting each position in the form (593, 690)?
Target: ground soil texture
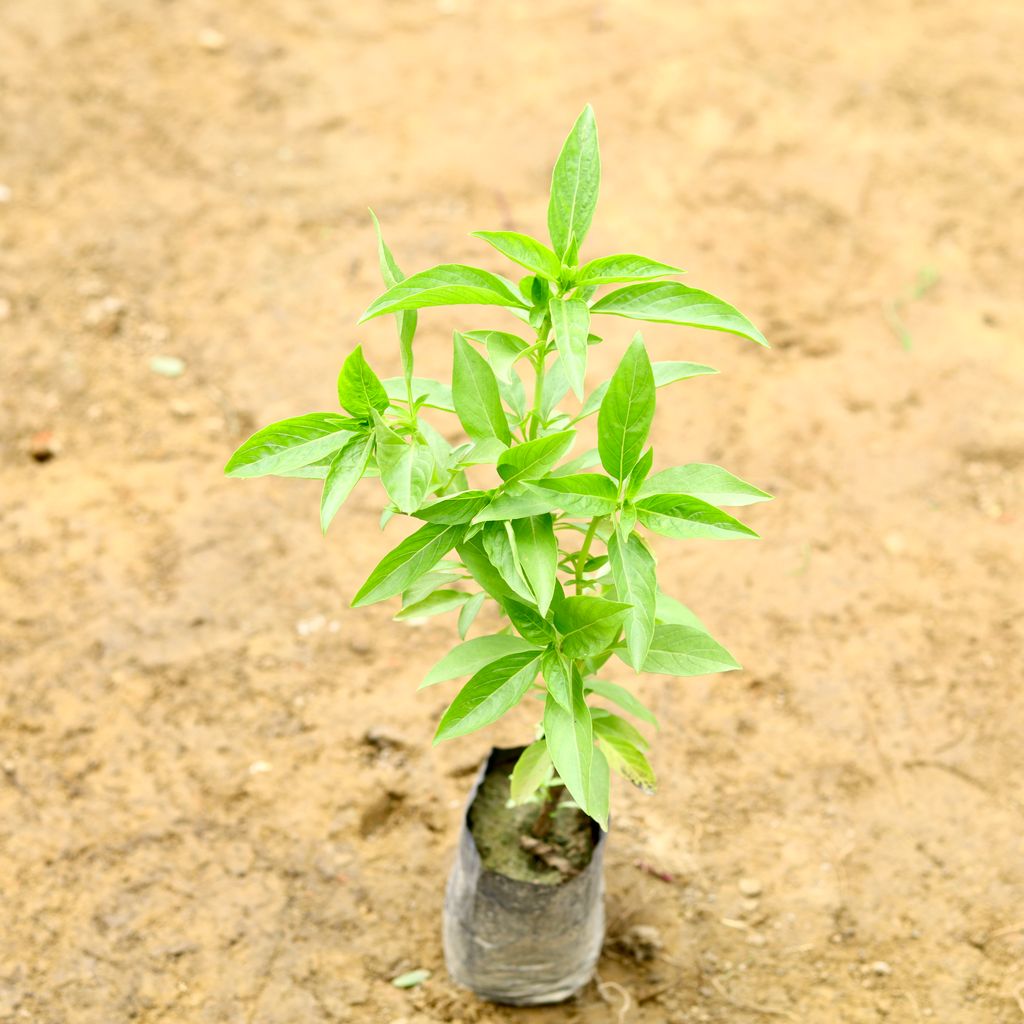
(218, 797)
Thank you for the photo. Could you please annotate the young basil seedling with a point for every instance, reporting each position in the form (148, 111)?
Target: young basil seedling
(559, 543)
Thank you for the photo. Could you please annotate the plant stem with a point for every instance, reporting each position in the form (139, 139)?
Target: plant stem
(584, 552)
(538, 394)
(542, 826)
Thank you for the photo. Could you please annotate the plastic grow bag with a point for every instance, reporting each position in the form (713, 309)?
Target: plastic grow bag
(515, 942)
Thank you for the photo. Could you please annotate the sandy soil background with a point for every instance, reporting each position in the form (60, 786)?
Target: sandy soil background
(217, 800)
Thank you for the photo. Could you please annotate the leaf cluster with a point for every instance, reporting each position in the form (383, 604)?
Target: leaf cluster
(557, 543)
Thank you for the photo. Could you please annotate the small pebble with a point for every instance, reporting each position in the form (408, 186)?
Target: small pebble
(43, 446)
(360, 645)
(104, 315)
(259, 768)
(881, 968)
(167, 366)
(330, 862)
(894, 544)
(750, 887)
(383, 736)
(183, 410)
(307, 627)
(211, 40)
(642, 942)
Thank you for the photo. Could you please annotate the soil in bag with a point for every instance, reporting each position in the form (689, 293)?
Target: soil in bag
(509, 842)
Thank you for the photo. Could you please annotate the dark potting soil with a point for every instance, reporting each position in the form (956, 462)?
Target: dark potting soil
(497, 830)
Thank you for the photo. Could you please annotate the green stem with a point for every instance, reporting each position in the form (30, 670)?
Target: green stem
(584, 552)
(538, 389)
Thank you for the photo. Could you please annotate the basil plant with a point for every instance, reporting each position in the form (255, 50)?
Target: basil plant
(554, 541)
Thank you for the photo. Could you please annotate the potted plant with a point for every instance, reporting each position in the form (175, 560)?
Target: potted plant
(555, 542)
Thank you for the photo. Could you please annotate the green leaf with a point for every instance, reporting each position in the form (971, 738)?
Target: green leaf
(623, 698)
(528, 622)
(359, 388)
(450, 284)
(665, 372)
(633, 571)
(625, 759)
(477, 399)
(345, 471)
(669, 610)
(533, 459)
(588, 624)
(473, 655)
(569, 736)
(538, 556)
(627, 410)
(444, 457)
(683, 517)
(627, 516)
(574, 184)
(608, 724)
(531, 771)
(411, 978)
(638, 474)
(583, 494)
(437, 603)
(668, 302)
(525, 251)
(501, 553)
(523, 500)
(709, 483)
(668, 371)
(556, 386)
(486, 451)
(587, 460)
(503, 349)
(454, 508)
(406, 319)
(427, 584)
(434, 394)
(600, 788)
(513, 394)
(474, 557)
(684, 651)
(622, 267)
(469, 613)
(570, 319)
(291, 444)
(314, 471)
(413, 557)
(493, 690)
(406, 467)
(558, 670)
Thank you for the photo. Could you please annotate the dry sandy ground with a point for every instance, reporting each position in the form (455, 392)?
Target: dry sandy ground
(193, 825)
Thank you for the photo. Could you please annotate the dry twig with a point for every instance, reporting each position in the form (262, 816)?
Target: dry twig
(768, 1011)
(604, 988)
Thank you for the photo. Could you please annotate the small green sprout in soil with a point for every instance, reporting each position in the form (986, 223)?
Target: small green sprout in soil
(555, 541)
